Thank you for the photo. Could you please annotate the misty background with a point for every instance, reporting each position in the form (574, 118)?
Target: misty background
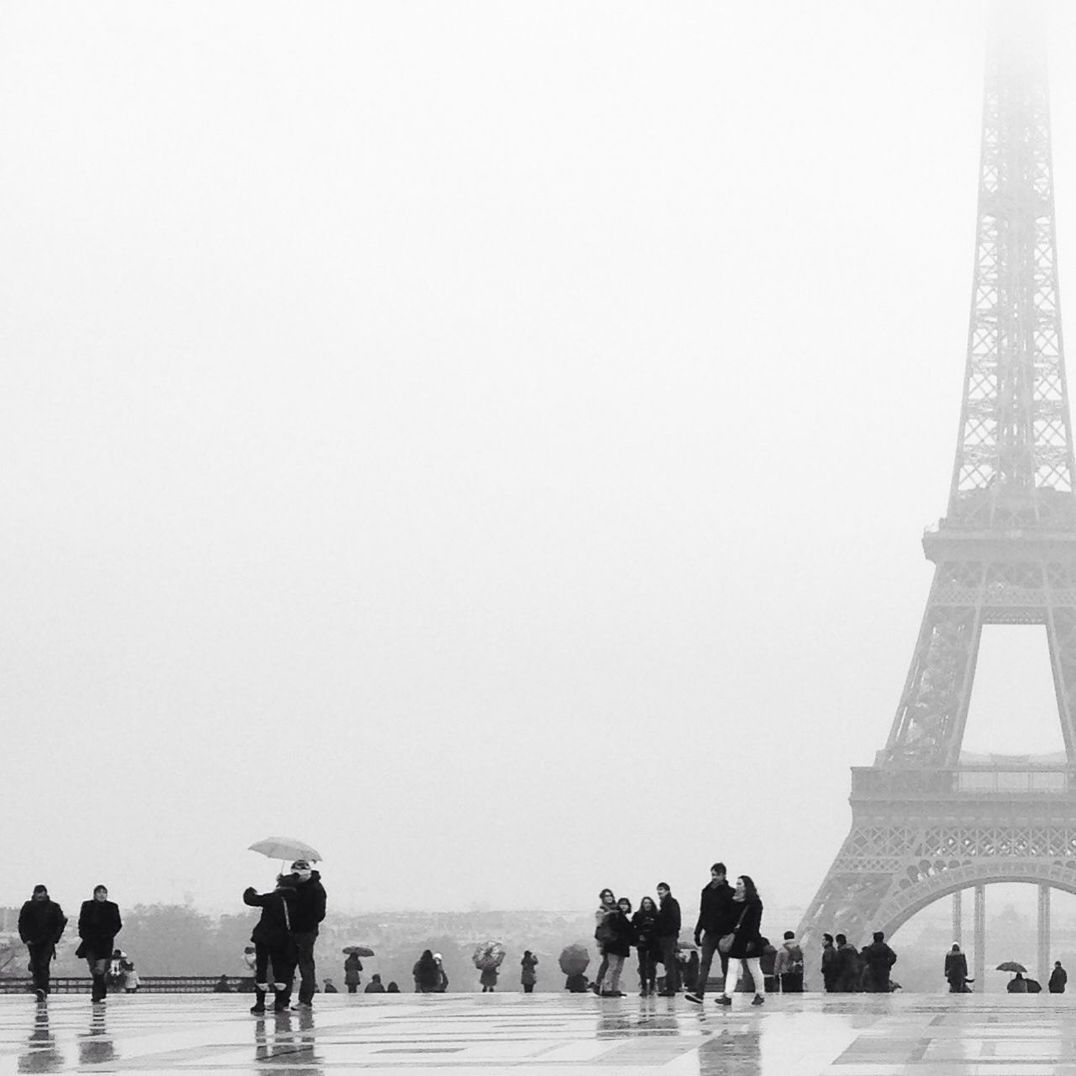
(487, 441)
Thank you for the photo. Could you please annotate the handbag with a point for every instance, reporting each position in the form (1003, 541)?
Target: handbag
(724, 943)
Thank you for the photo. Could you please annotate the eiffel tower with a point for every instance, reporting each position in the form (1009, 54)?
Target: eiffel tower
(928, 821)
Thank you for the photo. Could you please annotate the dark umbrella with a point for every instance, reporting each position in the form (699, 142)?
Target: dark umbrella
(1011, 965)
(574, 959)
(358, 950)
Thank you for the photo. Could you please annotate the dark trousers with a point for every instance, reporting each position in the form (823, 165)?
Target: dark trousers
(709, 948)
(672, 969)
(648, 968)
(792, 982)
(98, 966)
(352, 988)
(40, 959)
(304, 951)
(528, 988)
(278, 959)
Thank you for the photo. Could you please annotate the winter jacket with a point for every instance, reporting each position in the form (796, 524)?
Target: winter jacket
(623, 935)
(879, 958)
(98, 924)
(669, 917)
(746, 927)
(789, 959)
(374, 988)
(41, 922)
(352, 967)
(527, 976)
(273, 930)
(1058, 978)
(603, 930)
(646, 926)
(717, 913)
(831, 967)
(488, 977)
(309, 907)
(956, 968)
(849, 968)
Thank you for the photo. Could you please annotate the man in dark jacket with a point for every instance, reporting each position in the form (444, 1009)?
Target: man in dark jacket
(41, 923)
(879, 958)
(669, 938)
(1058, 978)
(849, 966)
(307, 912)
(717, 916)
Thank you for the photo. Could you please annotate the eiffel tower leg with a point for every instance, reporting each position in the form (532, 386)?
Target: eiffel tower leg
(980, 938)
(957, 918)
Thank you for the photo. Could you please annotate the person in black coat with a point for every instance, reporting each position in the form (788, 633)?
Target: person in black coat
(309, 912)
(645, 926)
(273, 942)
(618, 948)
(956, 970)
(669, 937)
(41, 924)
(1058, 978)
(879, 958)
(717, 913)
(747, 942)
(98, 924)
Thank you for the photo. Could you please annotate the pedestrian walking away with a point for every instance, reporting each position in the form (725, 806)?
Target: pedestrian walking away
(669, 937)
(274, 947)
(308, 912)
(717, 913)
(527, 976)
(41, 925)
(879, 959)
(1058, 978)
(746, 943)
(831, 961)
(352, 967)
(645, 927)
(98, 924)
(956, 970)
(788, 965)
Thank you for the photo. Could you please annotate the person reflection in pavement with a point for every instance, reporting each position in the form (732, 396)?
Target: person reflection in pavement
(734, 1051)
(288, 1044)
(95, 1046)
(41, 1054)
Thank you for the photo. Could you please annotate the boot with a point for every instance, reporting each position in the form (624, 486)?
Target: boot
(260, 990)
(281, 1000)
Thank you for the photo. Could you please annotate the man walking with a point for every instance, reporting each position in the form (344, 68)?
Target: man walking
(41, 923)
(307, 911)
(669, 938)
(717, 916)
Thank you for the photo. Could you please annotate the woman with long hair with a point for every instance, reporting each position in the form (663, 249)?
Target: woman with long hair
(747, 942)
(618, 949)
(645, 925)
(603, 933)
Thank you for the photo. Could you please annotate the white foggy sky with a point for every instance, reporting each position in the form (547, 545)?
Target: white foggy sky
(489, 441)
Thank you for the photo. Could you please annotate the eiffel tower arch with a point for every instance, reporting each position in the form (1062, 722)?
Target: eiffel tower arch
(928, 820)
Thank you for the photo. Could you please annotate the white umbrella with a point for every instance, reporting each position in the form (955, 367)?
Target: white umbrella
(286, 848)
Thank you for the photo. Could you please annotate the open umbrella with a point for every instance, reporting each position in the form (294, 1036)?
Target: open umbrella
(285, 848)
(574, 959)
(488, 955)
(1011, 965)
(357, 950)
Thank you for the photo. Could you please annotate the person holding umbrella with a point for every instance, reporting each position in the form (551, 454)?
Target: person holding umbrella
(352, 968)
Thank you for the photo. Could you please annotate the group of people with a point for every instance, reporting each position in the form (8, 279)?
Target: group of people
(42, 923)
(285, 935)
(729, 926)
(848, 970)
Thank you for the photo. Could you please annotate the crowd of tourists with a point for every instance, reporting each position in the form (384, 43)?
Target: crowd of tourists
(848, 970)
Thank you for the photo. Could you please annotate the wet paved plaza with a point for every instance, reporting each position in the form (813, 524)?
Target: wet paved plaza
(864, 1035)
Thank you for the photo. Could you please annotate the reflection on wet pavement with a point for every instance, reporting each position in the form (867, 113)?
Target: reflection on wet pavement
(463, 1034)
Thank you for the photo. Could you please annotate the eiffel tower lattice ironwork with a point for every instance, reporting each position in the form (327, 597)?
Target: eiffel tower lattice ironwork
(927, 822)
